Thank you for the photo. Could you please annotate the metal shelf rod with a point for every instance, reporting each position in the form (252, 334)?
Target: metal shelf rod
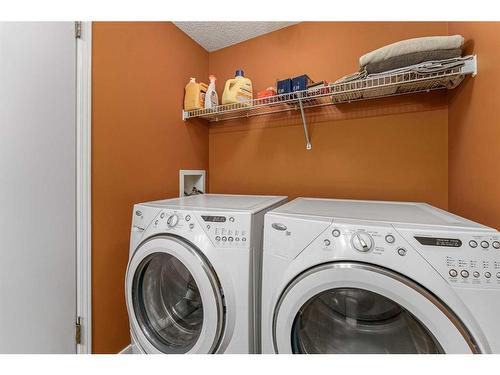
(304, 123)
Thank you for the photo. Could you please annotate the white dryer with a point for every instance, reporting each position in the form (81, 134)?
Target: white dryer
(344, 276)
(192, 282)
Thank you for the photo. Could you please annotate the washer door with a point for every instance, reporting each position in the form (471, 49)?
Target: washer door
(360, 308)
(174, 298)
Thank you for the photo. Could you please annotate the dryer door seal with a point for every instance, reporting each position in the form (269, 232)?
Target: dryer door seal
(174, 298)
(349, 307)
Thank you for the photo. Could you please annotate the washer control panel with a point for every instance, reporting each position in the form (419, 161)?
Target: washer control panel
(171, 221)
(226, 230)
(222, 229)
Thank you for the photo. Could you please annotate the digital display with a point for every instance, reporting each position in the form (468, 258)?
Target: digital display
(214, 219)
(437, 241)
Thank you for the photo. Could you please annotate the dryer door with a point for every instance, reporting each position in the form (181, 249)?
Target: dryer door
(360, 308)
(174, 298)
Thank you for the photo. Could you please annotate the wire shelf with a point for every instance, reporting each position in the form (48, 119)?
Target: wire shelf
(337, 93)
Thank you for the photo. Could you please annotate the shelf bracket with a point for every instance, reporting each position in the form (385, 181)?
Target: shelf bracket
(304, 123)
(470, 66)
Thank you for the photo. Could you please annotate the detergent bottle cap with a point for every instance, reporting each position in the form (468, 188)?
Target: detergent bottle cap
(211, 77)
(239, 73)
(192, 79)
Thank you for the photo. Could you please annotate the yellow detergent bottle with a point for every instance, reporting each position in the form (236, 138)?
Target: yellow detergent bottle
(238, 90)
(194, 97)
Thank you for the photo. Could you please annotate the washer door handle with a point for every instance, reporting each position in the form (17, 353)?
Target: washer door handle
(279, 226)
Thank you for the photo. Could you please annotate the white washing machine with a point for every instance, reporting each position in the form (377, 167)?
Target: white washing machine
(344, 276)
(192, 282)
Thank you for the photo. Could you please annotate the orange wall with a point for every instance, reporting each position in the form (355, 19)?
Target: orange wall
(139, 143)
(474, 128)
(394, 149)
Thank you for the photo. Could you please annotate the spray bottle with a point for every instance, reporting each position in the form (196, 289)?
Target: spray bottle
(211, 98)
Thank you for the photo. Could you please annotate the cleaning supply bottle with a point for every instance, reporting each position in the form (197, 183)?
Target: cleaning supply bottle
(238, 90)
(194, 96)
(211, 98)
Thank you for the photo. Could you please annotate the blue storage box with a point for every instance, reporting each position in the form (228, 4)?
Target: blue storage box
(301, 82)
(284, 86)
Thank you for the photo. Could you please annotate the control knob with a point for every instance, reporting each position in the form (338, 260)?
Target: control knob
(172, 221)
(362, 241)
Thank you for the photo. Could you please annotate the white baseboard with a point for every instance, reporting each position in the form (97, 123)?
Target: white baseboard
(126, 350)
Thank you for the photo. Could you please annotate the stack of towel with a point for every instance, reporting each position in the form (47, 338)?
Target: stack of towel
(411, 52)
(437, 53)
(419, 55)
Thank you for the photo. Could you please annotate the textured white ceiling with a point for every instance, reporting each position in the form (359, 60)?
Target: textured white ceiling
(216, 35)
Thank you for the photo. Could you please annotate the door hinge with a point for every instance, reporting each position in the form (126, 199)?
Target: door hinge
(78, 330)
(78, 29)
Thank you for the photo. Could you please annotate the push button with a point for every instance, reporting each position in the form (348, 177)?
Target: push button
(453, 273)
(390, 238)
(464, 274)
(472, 243)
(336, 233)
(496, 244)
(487, 274)
(230, 239)
(224, 239)
(217, 238)
(476, 274)
(485, 244)
(326, 242)
(402, 251)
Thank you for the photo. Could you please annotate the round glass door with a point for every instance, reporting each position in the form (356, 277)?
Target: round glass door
(359, 308)
(358, 321)
(174, 298)
(168, 303)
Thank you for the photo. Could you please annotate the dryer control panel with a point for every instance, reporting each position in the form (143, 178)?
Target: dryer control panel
(477, 264)
(464, 259)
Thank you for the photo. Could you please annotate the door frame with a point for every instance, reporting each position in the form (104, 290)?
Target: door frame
(83, 186)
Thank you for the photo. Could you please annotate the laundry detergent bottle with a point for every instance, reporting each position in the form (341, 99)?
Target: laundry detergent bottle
(194, 96)
(238, 90)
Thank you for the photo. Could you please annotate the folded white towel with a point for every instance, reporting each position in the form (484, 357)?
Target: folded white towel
(403, 47)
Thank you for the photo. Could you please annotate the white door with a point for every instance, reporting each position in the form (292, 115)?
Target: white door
(355, 308)
(174, 299)
(37, 187)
